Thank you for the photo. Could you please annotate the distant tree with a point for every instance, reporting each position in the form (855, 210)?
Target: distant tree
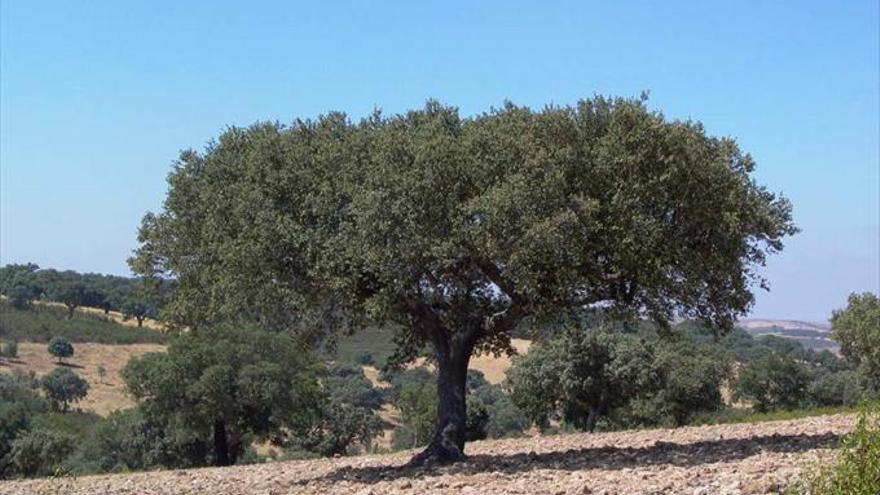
(459, 229)
(20, 297)
(691, 378)
(857, 328)
(62, 387)
(102, 372)
(840, 388)
(72, 295)
(775, 381)
(10, 349)
(348, 415)
(582, 375)
(227, 385)
(60, 347)
(417, 407)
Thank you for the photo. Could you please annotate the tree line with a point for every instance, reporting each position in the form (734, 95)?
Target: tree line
(135, 298)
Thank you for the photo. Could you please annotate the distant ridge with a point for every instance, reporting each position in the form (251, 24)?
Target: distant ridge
(812, 335)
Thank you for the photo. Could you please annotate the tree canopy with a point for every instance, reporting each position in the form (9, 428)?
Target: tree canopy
(459, 228)
(228, 384)
(857, 328)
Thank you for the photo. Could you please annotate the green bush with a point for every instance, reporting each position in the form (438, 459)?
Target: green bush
(835, 389)
(10, 349)
(774, 381)
(60, 348)
(364, 358)
(62, 387)
(856, 470)
(40, 452)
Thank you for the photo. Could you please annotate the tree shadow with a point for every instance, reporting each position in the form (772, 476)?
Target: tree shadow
(69, 365)
(606, 458)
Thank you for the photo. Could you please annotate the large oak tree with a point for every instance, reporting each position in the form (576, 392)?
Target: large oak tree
(458, 229)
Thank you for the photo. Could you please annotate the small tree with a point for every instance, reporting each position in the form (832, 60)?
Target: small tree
(596, 371)
(10, 349)
(62, 387)
(227, 385)
(20, 297)
(60, 348)
(71, 294)
(102, 373)
(774, 381)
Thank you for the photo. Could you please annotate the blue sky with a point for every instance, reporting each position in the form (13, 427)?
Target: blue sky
(96, 99)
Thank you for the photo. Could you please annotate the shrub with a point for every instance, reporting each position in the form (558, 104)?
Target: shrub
(10, 349)
(835, 389)
(228, 385)
(856, 470)
(40, 452)
(62, 387)
(60, 348)
(364, 358)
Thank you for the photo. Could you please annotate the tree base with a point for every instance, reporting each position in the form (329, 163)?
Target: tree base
(437, 454)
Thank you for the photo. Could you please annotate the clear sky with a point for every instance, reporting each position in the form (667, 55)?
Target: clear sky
(96, 99)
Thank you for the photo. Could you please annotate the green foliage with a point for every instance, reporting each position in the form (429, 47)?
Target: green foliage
(418, 415)
(457, 229)
(62, 387)
(127, 440)
(348, 415)
(582, 374)
(364, 358)
(60, 347)
(25, 283)
(840, 388)
(691, 379)
(772, 382)
(41, 323)
(20, 297)
(20, 403)
(9, 350)
(227, 384)
(857, 328)
(856, 469)
(378, 341)
(40, 452)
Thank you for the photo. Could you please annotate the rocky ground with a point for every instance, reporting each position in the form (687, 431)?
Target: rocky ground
(726, 459)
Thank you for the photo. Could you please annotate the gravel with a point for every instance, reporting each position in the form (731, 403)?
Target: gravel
(741, 459)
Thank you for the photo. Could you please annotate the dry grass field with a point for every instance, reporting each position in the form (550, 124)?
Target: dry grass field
(105, 395)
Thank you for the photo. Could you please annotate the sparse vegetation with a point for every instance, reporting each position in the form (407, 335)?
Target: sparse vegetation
(856, 468)
(42, 322)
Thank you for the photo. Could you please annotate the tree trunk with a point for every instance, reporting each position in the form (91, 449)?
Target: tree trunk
(140, 320)
(447, 444)
(70, 311)
(592, 418)
(221, 447)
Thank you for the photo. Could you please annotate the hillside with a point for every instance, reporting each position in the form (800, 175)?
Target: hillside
(815, 336)
(727, 459)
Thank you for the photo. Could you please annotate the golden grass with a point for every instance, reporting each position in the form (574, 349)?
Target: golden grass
(105, 396)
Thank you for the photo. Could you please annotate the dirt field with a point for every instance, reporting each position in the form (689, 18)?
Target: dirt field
(708, 460)
(105, 395)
